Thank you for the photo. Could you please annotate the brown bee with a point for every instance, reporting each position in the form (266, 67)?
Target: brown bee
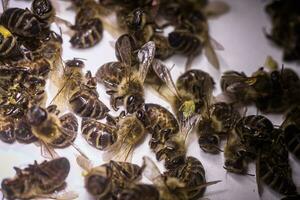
(80, 91)
(51, 130)
(130, 131)
(215, 123)
(125, 83)
(192, 174)
(175, 188)
(105, 180)
(98, 134)
(38, 181)
(137, 191)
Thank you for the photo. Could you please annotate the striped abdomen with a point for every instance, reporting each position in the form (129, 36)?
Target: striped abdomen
(185, 43)
(8, 43)
(88, 35)
(97, 134)
(87, 104)
(292, 139)
(111, 74)
(21, 22)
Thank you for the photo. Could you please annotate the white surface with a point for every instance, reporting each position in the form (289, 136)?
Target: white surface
(240, 32)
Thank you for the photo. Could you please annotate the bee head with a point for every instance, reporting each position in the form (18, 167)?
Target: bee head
(175, 154)
(136, 20)
(43, 9)
(77, 63)
(36, 115)
(11, 188)
(237, 163)
(134, 102)
(175, 39)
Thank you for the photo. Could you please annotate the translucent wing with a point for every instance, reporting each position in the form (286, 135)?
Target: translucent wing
(216, 45)
(48, 151)
(152, 172)
(211, 55)
(216, 8)
(5, 4)
(164, 74)
(187, 124)
(84, 163)
(145, 56)
(124, 49)
(119, 151)
(59, 196)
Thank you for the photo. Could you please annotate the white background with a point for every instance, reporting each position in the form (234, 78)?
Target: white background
(241, 33)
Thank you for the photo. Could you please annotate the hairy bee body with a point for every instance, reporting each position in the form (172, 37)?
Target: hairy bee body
(21, 22)
(138, 191)
(37, 179)
(111, 74)
(162, 124)
(88, 35)
(192, 174)
(98, 134)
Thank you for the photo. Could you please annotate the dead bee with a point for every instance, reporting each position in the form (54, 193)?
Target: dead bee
(103, 181)
(129, 88)
(98, 134)
(272, 166)
(192, 174)
(52, 131)
(291, 128)
(38, 180)
(219, 119)
(7, 134)
(161, 123)
(130, 132)
(80, 91)
(175, 188)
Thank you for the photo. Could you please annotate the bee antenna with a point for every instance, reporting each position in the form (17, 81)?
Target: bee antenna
(249, 174)
(79, 150)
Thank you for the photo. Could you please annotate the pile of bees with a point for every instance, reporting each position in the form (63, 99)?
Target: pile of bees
(31, 53)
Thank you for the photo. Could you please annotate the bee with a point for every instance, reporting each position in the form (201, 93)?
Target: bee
(38, 180)
(52, 131)
(291, 130)
(80, 91)
(138, 191)
(254, 130)
(272, 166)
(192, 174)
(127, 87)
(173, 187)
(130, 132)
(98, 134)
(104, 180)
(161, 123)
(7, 133)
(9, 46)
(217, 122)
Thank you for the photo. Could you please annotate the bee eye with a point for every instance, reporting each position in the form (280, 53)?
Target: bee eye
(130, 100)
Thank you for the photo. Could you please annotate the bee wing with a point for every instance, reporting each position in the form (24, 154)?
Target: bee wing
(5, 4)
(48, 151)
(216, 8)
(145, 56)
(119, 151)
(124, 49)
(257, 176)
(211, 55)
(216, 45)
(84, 163)
(164, 74)
(187, 125)
(151, 171)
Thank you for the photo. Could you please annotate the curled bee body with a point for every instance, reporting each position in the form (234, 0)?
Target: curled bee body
(130, 131)
(8, 43)
(129, 88)
(161, 123)
(37, 180)
(178, 186)
(98, 134)
(219, 120)
(43, 10)
(291, 128)
(192, 174)
(105, 180)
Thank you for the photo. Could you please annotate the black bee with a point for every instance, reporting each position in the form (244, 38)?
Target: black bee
(8, 44)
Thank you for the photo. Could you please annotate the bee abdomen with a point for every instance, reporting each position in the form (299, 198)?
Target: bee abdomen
(97, 134)
(292, 139)
(88, 35)
(21, 22)
(8, 46)
(139, 191)
(185, 42)
(86, 104)
(23, 132)
(69, 121)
